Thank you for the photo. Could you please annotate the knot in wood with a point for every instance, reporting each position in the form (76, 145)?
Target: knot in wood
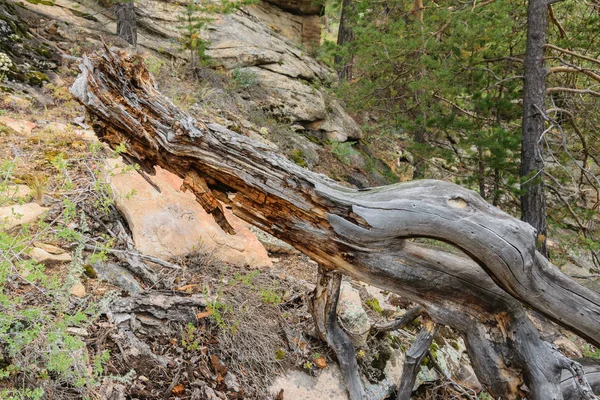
(457, 202)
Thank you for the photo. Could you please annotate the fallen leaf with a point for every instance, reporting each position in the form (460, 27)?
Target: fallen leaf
(217, 365)
(178, 390)
(186, 288)
(279, 395)
(204, 314)
(320, 362)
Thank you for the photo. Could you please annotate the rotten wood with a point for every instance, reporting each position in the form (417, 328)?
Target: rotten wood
(362, 233)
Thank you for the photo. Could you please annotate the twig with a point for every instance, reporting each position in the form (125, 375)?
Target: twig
(155, 260)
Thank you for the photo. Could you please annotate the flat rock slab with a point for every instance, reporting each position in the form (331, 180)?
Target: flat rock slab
(18, 125)
(11, 216)
(329, 385)
(42, 256)
(16, 194)
(172, 223)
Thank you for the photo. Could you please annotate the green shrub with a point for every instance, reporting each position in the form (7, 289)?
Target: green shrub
(243, 78)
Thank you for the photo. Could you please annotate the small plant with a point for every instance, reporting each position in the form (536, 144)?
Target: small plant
(154, 65)
(244, 78)
(374, 305)
(343, 151)
(247, 279)
(591, 351)
(298, 157)
(269, 296)
(280, 354)
(5, 64)
(189, 338)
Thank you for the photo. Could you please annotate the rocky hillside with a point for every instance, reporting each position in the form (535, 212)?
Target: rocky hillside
(266, 48)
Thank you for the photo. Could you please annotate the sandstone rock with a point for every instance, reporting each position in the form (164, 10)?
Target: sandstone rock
(41, 256)
(306, 7)
(296, 384)
(172, 223)
(18, 125)
(15, 193)
(49, 248)
(300, 27)
(78, 290)
(264, 36)
(11, 216)
(271, 243)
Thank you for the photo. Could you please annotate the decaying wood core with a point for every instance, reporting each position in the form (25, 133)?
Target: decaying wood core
(362, 233)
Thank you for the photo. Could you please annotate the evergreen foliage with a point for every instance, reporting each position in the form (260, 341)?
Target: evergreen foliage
(446, 81)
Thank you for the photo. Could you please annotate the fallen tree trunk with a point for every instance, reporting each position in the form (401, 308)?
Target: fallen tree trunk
(363, 233)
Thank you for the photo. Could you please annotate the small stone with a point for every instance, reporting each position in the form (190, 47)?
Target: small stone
(41, 256)
(17, 125)
(320, 362)
(78, 290)
(18, 192)
(78, 331)
(49, 248)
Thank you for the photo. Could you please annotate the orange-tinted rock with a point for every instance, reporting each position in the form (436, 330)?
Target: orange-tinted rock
(172, 223)
(17, 125)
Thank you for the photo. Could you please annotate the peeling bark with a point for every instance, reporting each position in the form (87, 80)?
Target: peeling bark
(362, 233)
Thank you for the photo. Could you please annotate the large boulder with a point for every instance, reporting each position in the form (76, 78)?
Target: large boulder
(172, 223)
(293, 81)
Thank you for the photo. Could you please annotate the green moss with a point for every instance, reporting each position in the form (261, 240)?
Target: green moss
(297, 156)
(37, 78)
(83, 15)
(44, 2)
(374, 305)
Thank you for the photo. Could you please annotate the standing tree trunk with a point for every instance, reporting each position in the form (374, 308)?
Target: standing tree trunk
(343, 64)
(533, 200)
(126, 21)
(362, 233)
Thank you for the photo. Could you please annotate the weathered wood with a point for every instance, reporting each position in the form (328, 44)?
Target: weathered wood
(414, 356)
(400, 322)
(323, 304)
(362, 232)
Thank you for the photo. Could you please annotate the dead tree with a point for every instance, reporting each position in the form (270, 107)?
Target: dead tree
(126, 21)
(362, 233)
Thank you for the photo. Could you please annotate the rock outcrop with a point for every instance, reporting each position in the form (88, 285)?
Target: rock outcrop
(265, 41)
(29, 59)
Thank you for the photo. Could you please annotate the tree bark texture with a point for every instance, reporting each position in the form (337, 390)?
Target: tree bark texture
(126, 21)
(345, 36)
(363, 233)
(533, 200)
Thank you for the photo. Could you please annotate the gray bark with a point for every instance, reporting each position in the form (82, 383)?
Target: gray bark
(345, 36)
(533, 201)
(126, 21)
(414, 356)
(362, 233)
